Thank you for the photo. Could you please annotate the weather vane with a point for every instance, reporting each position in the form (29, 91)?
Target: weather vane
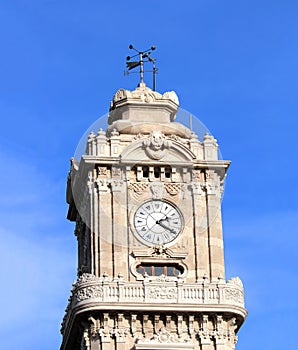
(144, 56)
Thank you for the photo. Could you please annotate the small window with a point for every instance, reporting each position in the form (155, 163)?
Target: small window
(159, 270)
(168, 172)
(172, 270)
(133, 172)
(144, 269)
(157, 172)
(145, 171)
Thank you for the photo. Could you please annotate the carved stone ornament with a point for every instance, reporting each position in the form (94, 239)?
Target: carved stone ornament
(102, 171)
(236, 281)
(173, 188)
(114, 133)
(157, 190)
(212, 188)
(102, 184)
(234, 295)
(156, 145)
(160, 251)
(86, 277)
(212, 185)
(120, 334)
(162, 278)
(116, 172)
(162, 292)
(171, 95)
(105, 335)
(163, 336)
(138, 189)
(116, 185)
(196, 175)
(144, 94)
(138, 136)
(196, 188)
(88, 292)
(210, 139)
(176, 138)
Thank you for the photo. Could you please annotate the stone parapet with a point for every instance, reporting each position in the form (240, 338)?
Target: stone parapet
(92, 293)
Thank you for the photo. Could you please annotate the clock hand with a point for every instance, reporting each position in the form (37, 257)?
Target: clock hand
(166, 227)
(151, 216)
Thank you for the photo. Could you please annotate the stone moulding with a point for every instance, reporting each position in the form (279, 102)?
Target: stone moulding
(164, 340)
(142, 98)
(98, 292)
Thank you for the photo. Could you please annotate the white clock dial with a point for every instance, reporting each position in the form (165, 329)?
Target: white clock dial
(157, 222)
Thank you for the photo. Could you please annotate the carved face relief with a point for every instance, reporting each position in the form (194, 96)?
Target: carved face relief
(156, 145)
(157, 140)
(157, 190)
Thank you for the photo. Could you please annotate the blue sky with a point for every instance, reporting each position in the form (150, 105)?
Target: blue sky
(233, 64)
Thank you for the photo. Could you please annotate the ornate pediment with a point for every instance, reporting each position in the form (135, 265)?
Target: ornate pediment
(157, 147)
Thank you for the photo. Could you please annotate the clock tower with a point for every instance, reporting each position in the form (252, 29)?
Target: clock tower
(146, 199)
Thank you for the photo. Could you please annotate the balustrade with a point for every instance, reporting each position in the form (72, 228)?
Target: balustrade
(165, 290)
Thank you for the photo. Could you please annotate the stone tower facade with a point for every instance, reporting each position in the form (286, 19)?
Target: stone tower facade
(146, 199)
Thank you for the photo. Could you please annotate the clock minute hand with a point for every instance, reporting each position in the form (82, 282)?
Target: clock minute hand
(164, 226)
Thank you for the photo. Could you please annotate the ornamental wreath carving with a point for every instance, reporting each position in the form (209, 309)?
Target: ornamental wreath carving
(89, 292)
(156, 145)
(162, 292)
(163, 336)
(234, 295)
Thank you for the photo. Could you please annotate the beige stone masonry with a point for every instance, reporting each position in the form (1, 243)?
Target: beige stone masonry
(132, 293)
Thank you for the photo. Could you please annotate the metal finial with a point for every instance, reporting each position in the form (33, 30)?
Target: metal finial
(143, 55)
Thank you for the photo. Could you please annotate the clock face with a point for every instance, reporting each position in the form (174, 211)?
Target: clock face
(158, 222)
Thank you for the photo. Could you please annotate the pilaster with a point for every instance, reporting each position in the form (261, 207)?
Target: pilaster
(104, 228)
(119, 223)
(213, 197)
(200, 225)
